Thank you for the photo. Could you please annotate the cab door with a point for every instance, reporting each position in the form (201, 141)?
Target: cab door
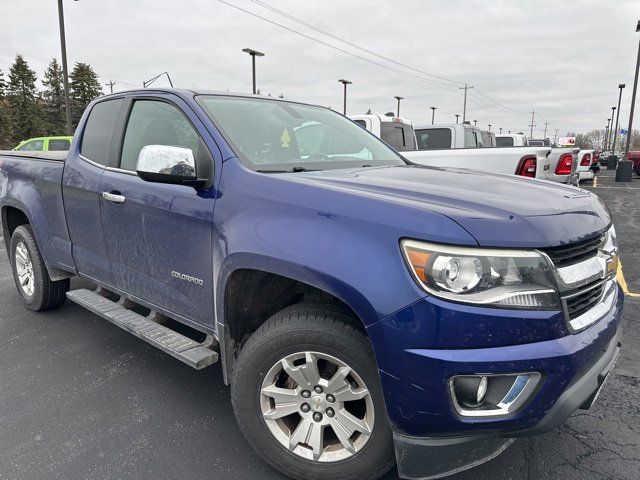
(159, 236)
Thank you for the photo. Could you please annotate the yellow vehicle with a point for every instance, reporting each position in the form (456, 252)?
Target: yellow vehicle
(45, 144)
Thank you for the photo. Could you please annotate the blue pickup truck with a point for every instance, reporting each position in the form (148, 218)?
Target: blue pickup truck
(365, 311)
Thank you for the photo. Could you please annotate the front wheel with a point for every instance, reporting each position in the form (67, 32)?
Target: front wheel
(307, 395)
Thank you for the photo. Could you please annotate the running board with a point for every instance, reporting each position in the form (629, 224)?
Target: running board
(194, 354)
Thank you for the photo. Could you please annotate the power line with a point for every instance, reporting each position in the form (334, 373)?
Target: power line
(335, 37)
(433, 82)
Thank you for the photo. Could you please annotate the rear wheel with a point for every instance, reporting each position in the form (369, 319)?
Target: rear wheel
(30, 273)
(307, 396)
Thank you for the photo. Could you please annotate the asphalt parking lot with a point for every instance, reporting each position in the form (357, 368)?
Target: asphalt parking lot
(82, 399)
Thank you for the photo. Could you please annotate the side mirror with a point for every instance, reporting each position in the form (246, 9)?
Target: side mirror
(166, 164)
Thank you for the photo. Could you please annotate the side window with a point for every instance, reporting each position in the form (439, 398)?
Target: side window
(33, 146)
(96, 138)
(153, 122)
(58, 145)
(433, 138)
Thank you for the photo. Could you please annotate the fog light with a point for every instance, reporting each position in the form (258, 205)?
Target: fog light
(491, 395)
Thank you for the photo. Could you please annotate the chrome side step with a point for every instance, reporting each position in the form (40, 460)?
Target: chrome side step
(194, 354)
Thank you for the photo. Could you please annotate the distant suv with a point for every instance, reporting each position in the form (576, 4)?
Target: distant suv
(45, 144)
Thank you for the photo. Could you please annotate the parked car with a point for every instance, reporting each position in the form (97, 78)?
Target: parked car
(511, 140)
(363, 311)
(448, 136)
(584, 169)
(604, 156)
(634, 156)
(396, 132)
(45, 144)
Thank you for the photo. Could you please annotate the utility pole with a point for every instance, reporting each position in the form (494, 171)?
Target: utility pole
(344, 96)
(65, 71)
(254, 54)
(555, 137)
(433, 114)
(457, 117)
(533, 116)
(633, 101)
(464, 110)
(398, 99)
(545, 130)
(110, 84)
(615, 130)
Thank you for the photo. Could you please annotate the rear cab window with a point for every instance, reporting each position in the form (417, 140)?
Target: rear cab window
(98, 131)
(433, 138)
(399, 135)
(470, 138)
(504, 141)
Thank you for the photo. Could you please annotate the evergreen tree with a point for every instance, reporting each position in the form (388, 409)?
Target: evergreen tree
(5, 117)
(22, 100)
(53, 95)
(84, 88)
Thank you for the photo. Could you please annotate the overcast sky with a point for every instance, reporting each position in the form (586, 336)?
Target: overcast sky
(562, 58)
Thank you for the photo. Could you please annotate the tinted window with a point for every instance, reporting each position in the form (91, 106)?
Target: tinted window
(98, 131)
(33, 146)
(504, 141)
(362, 123)
(433, 138)
(399, 135)
(58, 145)
(158, 123)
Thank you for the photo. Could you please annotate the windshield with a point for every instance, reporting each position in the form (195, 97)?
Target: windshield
(274, 136)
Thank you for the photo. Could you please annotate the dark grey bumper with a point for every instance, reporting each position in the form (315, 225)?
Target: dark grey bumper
(436, 457)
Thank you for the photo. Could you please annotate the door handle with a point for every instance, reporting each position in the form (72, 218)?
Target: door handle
(114, 198)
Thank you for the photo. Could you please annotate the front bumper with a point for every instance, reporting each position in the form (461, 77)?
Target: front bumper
(435, 457)
(431, 439)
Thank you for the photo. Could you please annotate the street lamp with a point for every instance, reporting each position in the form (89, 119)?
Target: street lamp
(457, 117)
(606, 135)
(500, 130)
(615, 130)
(433, 114)
(254, 54)
(65, 71)
(613, 115)
(489, 127)
(398, 99)
(475, 122)
(344, 97)
(633, 101)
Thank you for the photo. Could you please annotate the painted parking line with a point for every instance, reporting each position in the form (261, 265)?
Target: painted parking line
(595, 182)
(623, 282)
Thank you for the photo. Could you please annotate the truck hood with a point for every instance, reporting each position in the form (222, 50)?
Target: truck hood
(497, 210)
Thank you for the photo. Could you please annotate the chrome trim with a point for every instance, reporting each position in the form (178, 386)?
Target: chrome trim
(591, 316)
(91, 162)
(521, 390)
(472, 251)
(121, 170)
(114, 198)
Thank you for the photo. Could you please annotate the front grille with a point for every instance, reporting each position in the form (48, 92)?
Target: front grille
(584, 301)
(574, 253)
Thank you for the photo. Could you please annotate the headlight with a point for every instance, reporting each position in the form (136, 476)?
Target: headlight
(508, 278)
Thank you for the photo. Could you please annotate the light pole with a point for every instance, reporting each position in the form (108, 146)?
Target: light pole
(633, 100)
(489, 127)
(433, 114)
(254, 54)
(615, 130)
(500, 130)
(457, 117)
(344, 96)
(65, 70)
(606, 135)
(613, 115)
(398, 99)
(475, 122)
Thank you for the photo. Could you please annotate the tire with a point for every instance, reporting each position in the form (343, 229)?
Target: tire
(323, 331)
(39, 292)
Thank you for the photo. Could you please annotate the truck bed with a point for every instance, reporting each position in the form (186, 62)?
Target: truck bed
(57, 156)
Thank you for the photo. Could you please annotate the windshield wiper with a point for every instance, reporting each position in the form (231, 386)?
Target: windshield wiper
(295, 169)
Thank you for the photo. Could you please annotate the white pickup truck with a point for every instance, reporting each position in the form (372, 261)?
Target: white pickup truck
(456, 146)
(511, 140)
